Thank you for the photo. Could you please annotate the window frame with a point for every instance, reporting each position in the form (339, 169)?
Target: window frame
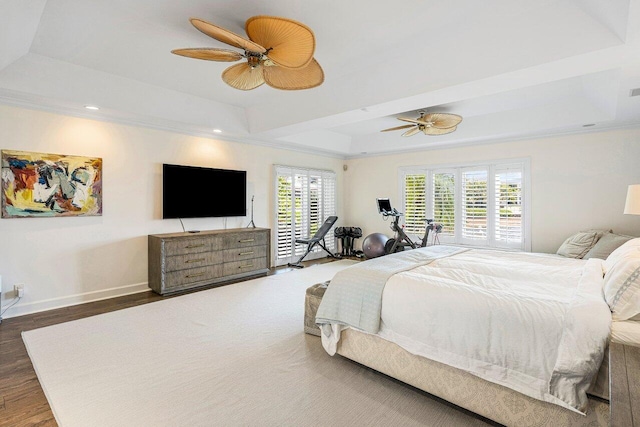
(491, 166)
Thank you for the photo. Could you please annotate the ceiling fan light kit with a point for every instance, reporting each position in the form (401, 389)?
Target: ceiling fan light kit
(285, 63)
(429, 124)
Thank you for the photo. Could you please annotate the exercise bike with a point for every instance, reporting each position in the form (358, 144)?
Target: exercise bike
(400, 240)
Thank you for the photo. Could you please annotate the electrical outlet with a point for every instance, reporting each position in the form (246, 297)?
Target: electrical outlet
(18, 290)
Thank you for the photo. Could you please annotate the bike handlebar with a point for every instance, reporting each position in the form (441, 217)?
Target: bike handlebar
(392, 212)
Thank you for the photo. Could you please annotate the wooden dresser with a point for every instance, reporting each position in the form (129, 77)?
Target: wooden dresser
(179, 261)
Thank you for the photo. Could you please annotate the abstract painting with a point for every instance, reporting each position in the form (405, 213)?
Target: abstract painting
(48, 185)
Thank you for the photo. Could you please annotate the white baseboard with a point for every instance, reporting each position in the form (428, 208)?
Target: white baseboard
(60, 302)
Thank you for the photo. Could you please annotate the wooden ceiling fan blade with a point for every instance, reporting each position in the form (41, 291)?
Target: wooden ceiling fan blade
(243, 77)
(443, 120)
(226, 36)
(290, 43)
(398, 128)
(438, 131)
(412, 132)
(294, 79)
(209, 54)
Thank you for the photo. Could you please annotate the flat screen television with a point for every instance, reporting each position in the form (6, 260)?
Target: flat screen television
(193, 192)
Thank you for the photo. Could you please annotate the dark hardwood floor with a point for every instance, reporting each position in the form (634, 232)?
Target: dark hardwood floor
(22, 401)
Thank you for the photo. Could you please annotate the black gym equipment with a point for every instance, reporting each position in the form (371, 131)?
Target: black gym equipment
(400, 240)
(317, 239)
(347, 235)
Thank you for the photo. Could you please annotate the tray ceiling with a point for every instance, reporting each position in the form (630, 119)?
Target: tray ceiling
(512, 68)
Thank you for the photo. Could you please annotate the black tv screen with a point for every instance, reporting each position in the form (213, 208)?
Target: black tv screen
(193, 192)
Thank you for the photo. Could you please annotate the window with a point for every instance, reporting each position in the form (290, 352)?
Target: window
(304, 199)
(474, 205)
(415, 211)
(478, 205)
(444, 202)
(508, 211)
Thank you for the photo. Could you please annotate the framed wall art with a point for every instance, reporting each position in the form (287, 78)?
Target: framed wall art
(50, 185)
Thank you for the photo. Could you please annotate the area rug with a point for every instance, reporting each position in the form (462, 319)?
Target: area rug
(233, 355)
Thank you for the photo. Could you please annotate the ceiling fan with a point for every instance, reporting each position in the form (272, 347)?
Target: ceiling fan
(278, 52)
(429, 124)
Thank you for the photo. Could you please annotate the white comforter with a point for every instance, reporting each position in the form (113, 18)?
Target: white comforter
(532, 322)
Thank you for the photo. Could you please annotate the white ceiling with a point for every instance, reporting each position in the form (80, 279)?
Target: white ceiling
(511, 68)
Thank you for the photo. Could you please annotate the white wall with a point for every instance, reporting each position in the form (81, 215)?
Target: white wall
(578, 182)
(67, 260)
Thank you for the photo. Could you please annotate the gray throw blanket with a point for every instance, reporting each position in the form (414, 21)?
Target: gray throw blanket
(354, 297)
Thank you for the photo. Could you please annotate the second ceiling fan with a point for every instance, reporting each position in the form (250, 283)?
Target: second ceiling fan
(429, 124)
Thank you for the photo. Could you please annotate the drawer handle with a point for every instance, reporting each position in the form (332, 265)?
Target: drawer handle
(194, 260)
(246, 240)
(245, 253)
(194, 246)
(246, 266)
(194, 275)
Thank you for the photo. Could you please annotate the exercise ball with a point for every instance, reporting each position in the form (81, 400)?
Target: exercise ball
(373, 245)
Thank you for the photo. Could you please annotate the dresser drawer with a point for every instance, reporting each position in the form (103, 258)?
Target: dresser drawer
(192, 245)
(239, 267)
(182, 262)
(239, 254)
(180, 278)
(242, 240)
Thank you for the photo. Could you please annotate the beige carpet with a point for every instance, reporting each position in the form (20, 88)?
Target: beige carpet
(229, 356)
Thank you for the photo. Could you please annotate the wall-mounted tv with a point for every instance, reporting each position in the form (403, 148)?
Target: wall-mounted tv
(193, 192)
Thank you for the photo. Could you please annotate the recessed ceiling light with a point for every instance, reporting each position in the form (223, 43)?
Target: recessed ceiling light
(217, 131)
(91, 107)
(588, 125)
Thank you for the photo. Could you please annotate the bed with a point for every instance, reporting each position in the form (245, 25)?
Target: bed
(519, 338)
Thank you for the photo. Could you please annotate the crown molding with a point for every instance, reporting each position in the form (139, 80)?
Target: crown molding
(32, 102)
(498, 140)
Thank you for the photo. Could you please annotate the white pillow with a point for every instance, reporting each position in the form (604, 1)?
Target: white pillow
(632, 247)
(622, 286)
(579, 244)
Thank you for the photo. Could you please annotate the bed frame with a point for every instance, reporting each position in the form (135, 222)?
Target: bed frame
(492, 401)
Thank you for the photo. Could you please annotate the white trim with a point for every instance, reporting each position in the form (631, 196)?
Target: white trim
(70, 300)
(526, 212)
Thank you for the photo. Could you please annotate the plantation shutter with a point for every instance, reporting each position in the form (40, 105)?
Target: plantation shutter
(477, 205)
(415, 202)
(509, 224)
(304, 199)
(301, 210)
(315, 203)
(329, 205)
(284, 215)
(474, 205)
(443, 200)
